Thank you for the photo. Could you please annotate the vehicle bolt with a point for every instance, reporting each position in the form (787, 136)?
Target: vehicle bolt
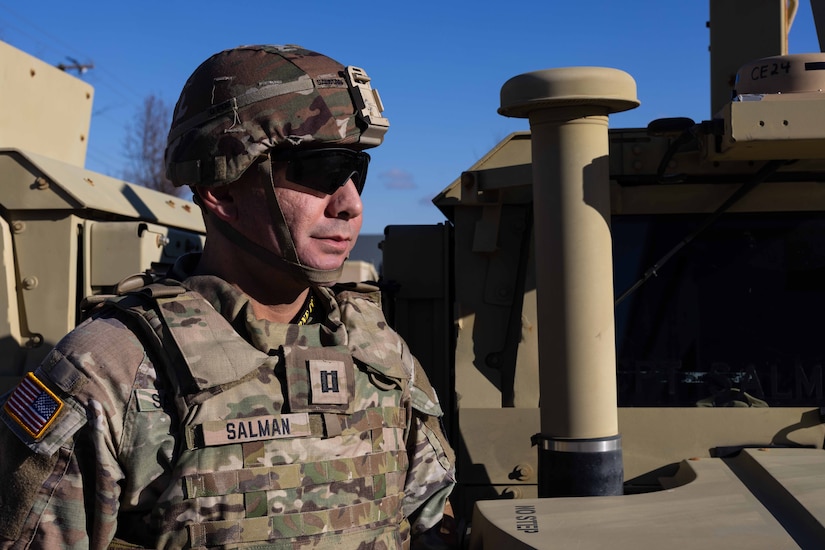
(41, 183)
(18, 226)
(523, 472)
(512, 492)
(34, 341)
(29, 283)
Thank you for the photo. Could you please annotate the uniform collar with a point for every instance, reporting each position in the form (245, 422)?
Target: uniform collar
(234, 306)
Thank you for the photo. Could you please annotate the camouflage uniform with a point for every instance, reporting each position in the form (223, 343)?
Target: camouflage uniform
(199, 439)
(174, 418)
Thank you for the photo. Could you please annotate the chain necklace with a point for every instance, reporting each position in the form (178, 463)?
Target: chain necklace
(306, 316)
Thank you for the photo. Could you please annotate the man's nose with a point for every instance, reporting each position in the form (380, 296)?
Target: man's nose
(345, 203)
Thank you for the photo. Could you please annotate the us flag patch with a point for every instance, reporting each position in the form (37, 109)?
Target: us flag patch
(33, 406)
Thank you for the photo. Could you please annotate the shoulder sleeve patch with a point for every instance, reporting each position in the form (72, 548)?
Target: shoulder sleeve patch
(33, 406)
(39, 417)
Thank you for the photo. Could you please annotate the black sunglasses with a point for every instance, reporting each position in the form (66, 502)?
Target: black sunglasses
(324, 170)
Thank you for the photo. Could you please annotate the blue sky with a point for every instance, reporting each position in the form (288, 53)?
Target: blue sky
(438, 66)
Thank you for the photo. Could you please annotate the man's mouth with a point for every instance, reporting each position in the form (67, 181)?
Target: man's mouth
(337, 242)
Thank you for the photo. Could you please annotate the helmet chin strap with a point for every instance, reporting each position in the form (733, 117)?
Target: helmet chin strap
(289, 261)
(324, 277)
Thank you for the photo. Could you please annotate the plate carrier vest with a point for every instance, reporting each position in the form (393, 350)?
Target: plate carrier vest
(305, 446)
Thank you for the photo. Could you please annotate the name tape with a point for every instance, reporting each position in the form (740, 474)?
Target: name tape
(256, 428)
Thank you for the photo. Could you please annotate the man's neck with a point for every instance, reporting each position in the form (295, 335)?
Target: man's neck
(274, 295)
(279, 313)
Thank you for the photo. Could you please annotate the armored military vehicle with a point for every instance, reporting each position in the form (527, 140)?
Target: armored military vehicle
(66, 232)
(627, 315)
(635, 315)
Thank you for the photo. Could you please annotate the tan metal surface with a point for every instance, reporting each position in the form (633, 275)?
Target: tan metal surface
(46, 257)
(714, 509)
(497, 440)
(781, 126)
(505, 166)
(655, 437)
(717, 509)
(782, 74)
(608, 90)
(568, 111)
(45, 109)
(59, 254)
(119, 249)
(741, 31)
(66, 186)
(10, 337)
(574, 278)
(798, 473)
(69, 233)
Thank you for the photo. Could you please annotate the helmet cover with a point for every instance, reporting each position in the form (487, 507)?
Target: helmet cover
(242, 102)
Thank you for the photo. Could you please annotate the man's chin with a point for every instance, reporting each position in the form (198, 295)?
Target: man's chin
(328, 262)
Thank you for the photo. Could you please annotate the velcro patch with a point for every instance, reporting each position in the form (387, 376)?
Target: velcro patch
(330, 81)
(147, 400)
(33, 406)
(258, 428)
(320, 379)
(328, 380)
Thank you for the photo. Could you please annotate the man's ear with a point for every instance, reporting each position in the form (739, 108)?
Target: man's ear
(218, 201)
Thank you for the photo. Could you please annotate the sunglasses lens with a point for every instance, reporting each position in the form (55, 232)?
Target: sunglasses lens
(325, 170)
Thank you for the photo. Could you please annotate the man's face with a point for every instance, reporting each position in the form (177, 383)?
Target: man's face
(324, 227)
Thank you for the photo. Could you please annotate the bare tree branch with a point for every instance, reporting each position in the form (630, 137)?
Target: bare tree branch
(145, 144)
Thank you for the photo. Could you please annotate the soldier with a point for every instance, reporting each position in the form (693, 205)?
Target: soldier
(251, 404)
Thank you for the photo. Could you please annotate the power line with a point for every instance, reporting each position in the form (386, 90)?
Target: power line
(101, 76)
(108, 87)
(75, 65)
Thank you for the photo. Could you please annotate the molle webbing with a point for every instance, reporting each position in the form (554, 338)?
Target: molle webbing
(269, 505)
(284, 526)
(291, 476)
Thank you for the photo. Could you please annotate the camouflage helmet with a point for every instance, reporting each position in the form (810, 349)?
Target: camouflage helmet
(242, 102)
